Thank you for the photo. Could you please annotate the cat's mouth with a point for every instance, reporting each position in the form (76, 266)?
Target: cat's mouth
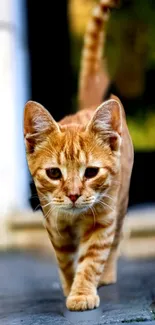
(74, 207)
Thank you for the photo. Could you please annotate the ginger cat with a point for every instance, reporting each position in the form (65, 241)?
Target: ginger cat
(81, 167)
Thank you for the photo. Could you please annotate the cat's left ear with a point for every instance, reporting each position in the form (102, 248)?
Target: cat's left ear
(38, 123)
(107, 123)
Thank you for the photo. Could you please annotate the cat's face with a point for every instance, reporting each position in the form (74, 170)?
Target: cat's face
(72, 166)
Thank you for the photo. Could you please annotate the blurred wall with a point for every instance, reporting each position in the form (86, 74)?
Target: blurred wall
(14, 92)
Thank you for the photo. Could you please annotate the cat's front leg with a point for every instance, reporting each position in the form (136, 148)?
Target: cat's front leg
(94, 250)
(65, 250)
(66, 271)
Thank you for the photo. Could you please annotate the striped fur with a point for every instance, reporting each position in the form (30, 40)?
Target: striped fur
(85, 233)
(94, 78)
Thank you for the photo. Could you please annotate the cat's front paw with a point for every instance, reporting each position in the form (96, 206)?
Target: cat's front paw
(82, 302)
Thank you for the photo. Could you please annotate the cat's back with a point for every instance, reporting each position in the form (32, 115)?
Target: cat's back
(126, 165)
(81, 117)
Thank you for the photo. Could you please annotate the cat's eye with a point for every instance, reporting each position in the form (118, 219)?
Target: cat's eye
(54, 173)
(91, 172)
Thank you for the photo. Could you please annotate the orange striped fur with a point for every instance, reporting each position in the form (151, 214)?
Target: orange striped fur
(82, 168)
(94, 79)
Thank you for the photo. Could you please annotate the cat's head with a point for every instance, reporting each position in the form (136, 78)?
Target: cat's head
(73, 166)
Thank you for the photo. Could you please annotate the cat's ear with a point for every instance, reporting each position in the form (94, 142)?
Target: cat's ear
(107, 123)
(38, 123)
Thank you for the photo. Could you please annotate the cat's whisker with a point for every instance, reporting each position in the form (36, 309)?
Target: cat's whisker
(91, 208)
(39, 205)
(35, 196)
(42, 196)
(49, 211)
(105, 205)
(47, 214)
(82, 216)
(55, 218)
(56, 225)
(109, 197)
(45, 205)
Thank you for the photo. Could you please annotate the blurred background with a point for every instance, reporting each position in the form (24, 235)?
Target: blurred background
(40, 49)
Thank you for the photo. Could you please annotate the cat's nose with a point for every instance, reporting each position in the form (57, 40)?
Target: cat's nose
(73, 197)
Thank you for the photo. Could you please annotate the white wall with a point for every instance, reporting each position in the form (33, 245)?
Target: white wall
(14, 93)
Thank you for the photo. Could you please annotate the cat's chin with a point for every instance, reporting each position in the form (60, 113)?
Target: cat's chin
(74, 210)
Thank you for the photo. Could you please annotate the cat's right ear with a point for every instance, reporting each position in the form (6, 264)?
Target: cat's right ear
(38, 123)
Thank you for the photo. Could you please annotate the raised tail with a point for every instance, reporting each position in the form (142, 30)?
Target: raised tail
(94, 78)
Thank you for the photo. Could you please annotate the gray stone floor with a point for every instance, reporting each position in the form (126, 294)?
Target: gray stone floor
(30, 294)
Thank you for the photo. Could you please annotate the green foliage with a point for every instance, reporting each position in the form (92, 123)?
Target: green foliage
(142, 130)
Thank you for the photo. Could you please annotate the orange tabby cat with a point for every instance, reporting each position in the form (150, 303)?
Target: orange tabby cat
(82, 168)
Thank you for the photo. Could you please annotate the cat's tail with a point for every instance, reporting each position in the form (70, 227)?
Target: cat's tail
(94, 78)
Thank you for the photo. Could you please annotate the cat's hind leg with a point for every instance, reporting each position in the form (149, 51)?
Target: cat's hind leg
(109, 275)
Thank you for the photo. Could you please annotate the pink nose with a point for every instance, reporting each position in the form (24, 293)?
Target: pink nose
(73, 197)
